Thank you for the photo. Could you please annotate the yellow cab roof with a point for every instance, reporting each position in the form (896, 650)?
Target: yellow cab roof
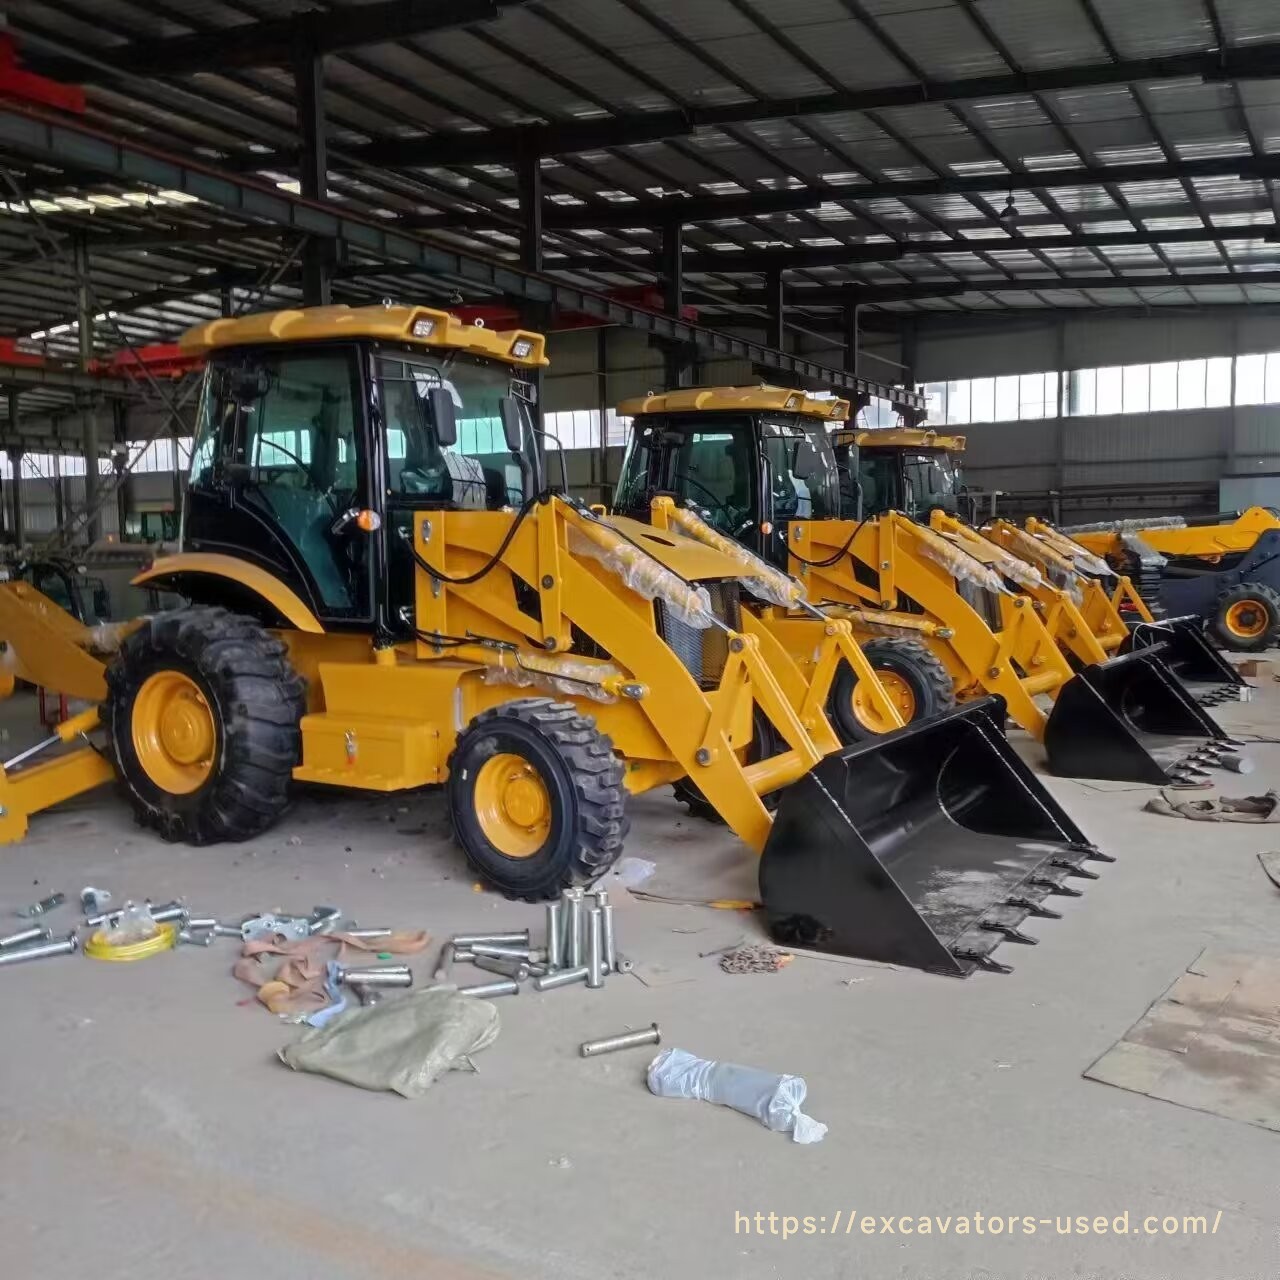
(714, 399)
(434, 329)
(897, 438)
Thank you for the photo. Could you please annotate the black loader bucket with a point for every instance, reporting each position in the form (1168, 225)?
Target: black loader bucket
(926, 847)
(1189, 654)
(1127, 720)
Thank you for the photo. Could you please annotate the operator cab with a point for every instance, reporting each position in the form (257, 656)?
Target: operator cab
(750, 459)
(321, 431)
(912, 471)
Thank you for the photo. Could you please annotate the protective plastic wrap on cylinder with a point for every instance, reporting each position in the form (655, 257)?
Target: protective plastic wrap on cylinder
(958, 563)
(554, 675)
(642, 573)
(1019, 571)
(759, 577)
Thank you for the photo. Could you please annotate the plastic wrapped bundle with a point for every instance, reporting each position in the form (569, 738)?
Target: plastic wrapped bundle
(758, 576)
(1016, 570)
(642, 573)
(774, 1100)
(573, 676)
(958, 563)
(1127, 526)
(1083, 558)
(1143, 550)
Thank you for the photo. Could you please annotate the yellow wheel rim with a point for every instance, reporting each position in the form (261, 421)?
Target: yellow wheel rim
(1247, 619)
(174, 732)
(898, 692)
(512, 805)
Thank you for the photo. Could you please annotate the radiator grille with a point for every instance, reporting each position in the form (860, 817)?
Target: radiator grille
(703, 650)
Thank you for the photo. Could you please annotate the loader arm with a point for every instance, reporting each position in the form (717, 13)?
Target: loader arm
(668, 722)
(891, 561)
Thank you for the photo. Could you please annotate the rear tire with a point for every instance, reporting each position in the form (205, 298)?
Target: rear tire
(203, 711)
(536, 797)
(915, 679)
(1246, 618)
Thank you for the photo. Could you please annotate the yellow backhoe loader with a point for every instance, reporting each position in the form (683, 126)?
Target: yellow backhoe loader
(385, 594)
(1225, 572)
(759, 462)
(918, 471)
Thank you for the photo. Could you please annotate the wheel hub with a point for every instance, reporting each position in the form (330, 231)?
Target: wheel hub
(174, 732)
(512, 805)
(899, 692)
(1246, 618)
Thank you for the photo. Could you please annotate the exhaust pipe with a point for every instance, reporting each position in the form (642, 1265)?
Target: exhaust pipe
(925, 847)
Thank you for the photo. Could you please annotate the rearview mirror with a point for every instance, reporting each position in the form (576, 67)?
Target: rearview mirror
(444, 417)
(512, 423)
(807, 463)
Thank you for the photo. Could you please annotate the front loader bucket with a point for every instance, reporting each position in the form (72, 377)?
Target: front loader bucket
(1126, 720)
(1187, 652)
(925, 847)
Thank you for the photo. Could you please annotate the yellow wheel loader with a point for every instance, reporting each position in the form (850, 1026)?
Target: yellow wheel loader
(1225, 572)
(385, 595)
(759, 462)
(918, 471)
(1091, 622)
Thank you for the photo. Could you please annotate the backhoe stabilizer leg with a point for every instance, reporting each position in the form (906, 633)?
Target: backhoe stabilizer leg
(40, 786)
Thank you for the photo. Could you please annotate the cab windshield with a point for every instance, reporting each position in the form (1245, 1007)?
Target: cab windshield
(478, 472)
(914, 481)
(803, 481)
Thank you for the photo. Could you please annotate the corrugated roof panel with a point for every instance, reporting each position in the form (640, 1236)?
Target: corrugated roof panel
(1104, 103)
(1043, 33)
(942, 41)
(841, 47)
(1250, 20)
(768, 68)
(1143, 30)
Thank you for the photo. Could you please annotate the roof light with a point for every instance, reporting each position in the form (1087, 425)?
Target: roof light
(423, 327)
(522, 348)
(793, 402)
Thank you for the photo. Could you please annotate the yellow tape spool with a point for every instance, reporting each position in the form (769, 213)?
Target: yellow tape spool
(100, 949)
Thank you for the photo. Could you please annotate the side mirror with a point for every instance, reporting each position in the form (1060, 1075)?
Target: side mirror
(807, 464)
(444, 417)
(512, 423)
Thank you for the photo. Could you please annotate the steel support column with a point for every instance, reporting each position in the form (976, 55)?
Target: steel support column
(317, 253)
(775, 334)
(536, 315)
(15, 457)
(88, 418)
(851, 338)
(677, 357)
(910, 347)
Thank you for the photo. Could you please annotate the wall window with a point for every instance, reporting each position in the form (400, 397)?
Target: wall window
(1007, 399)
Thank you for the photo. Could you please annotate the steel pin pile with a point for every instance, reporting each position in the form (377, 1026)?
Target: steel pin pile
(580, 946)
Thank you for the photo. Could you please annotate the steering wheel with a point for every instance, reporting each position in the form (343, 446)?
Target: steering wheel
(326, 494)
(718, 505)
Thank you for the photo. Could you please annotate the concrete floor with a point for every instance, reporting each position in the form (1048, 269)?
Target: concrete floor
(149, 1130)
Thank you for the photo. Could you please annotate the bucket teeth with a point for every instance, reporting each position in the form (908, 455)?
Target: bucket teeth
(1074, 869)
(1092, 853)
(1054, 885)
(982, 960)
(1011, 932)
(1034, 908)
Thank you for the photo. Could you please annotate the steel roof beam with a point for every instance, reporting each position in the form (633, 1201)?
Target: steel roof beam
(42, 135)
(760, 261)
(272, 42)
(842, 295)
(640, 213)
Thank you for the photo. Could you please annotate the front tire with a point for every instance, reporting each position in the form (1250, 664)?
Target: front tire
(1246, 618)
(917, 682)
(536, 797)
(203, 711)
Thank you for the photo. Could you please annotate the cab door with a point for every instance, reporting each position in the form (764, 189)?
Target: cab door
(280, 462)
